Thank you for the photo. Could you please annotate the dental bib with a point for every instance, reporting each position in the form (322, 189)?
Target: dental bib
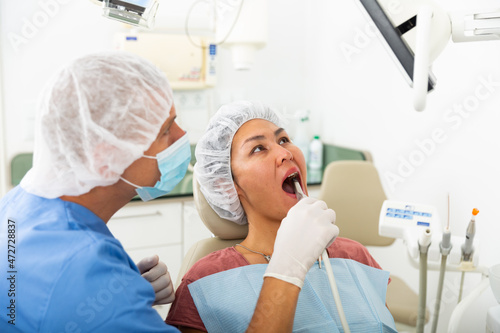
(226, 300)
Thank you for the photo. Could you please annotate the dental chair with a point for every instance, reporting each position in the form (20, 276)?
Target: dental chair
(226, 233)
(354, 191)
(346, 186)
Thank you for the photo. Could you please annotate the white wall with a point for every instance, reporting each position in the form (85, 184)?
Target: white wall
(364, 102)
(278, 74)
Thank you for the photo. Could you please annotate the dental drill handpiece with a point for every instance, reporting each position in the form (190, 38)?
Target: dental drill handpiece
(467, 247)
(300, 195)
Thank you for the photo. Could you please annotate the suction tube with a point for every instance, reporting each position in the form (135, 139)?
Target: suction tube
(328, 268)
(423, 243)
(445, 247)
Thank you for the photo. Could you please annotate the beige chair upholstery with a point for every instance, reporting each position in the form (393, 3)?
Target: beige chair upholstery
(353, 189)
(226, 233)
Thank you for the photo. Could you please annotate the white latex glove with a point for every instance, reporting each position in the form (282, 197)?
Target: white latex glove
(304, 233)
(156, 272)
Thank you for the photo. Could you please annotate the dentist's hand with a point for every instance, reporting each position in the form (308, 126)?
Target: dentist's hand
(304, 233)
(156, 272)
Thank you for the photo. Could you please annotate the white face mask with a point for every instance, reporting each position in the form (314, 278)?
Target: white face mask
(173, 163)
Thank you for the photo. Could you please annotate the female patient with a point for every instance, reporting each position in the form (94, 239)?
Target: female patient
(245, 163)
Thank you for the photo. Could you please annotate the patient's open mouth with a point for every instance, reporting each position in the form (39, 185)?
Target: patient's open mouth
(288, 183)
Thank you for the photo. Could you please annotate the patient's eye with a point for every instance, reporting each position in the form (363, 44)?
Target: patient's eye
(257, 149)
(283, 140)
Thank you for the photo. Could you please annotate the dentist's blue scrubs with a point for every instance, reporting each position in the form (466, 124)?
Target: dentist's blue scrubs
(68, 273)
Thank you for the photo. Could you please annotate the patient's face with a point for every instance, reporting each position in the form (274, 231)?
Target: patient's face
(262, 157)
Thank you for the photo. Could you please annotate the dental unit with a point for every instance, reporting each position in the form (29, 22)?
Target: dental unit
(418, 225)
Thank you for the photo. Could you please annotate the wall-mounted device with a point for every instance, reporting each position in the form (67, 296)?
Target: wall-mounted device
(187, 66)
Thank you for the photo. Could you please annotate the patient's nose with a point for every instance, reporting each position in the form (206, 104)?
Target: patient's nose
(283, 154)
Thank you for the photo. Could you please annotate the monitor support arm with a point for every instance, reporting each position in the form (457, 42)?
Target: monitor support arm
(468, 26)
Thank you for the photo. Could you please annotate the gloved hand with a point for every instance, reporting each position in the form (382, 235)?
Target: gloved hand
(156, 272)
(304, 233)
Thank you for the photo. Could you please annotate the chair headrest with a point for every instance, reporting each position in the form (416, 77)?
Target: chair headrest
(354, 191)
(222, 228)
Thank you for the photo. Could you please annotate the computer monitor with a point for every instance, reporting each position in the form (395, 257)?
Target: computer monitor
(393, 36)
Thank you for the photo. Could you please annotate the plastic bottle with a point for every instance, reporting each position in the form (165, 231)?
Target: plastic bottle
(315, 163)
(301, 137)
(316, 153)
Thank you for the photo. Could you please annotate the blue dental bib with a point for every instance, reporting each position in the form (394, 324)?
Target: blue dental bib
(226, 300)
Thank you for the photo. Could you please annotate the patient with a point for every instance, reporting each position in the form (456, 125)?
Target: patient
(244, 161)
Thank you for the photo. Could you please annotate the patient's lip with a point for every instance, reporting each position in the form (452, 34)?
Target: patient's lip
(289, 172)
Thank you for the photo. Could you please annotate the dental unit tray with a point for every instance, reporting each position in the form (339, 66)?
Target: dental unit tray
(408, 221)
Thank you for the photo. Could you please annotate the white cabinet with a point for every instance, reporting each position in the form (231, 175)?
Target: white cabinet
(166, 227)
(148, 224)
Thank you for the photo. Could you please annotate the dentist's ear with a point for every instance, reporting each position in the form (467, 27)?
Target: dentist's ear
(101, 155)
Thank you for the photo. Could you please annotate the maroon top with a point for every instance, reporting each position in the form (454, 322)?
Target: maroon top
(183, 311)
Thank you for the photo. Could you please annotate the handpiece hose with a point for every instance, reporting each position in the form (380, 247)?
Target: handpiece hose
(423, 243)
(329, 271)
(445, 247)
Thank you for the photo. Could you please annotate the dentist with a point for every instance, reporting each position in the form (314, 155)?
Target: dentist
(105, 132)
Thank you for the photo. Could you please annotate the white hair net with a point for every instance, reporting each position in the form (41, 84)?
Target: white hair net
(213, 156)
(95, 117)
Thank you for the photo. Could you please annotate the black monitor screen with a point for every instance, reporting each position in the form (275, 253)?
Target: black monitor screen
(393, 37)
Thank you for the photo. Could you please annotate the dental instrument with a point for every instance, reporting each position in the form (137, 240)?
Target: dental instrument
(300, 195)
(445, 248)
(333, 285)
(468, 248)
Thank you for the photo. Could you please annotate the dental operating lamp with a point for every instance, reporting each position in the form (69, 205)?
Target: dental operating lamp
(416, 31)
(140, 13)
(239, 34)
